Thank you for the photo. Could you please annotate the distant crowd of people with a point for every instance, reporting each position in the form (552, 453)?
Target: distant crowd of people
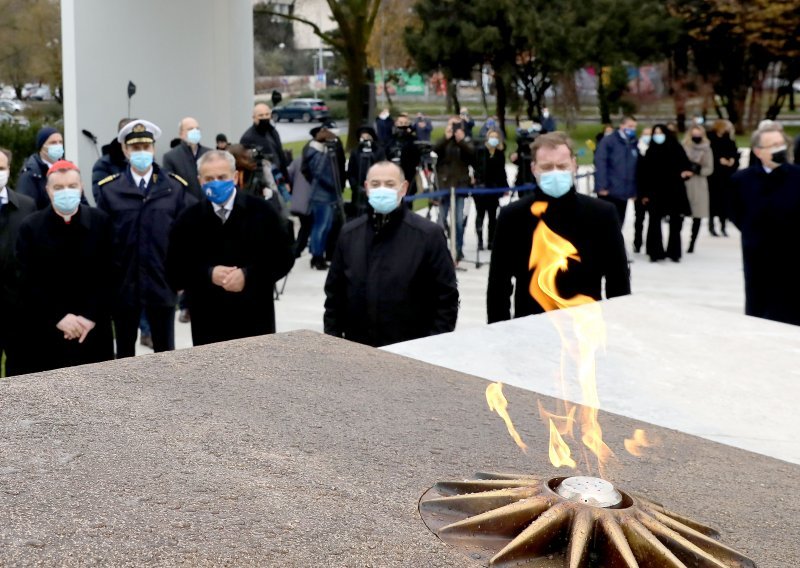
(209, 231)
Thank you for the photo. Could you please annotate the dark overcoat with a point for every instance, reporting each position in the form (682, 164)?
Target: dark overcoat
(591, 225)
(766, 208)
(253, 239)
(65, 268)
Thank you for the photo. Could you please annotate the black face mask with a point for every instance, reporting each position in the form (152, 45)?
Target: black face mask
(403, 130)
(697, 139)
(264, 124)
(779, 157)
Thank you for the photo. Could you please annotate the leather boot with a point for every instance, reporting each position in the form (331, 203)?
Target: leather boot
(711, 228)
(695, 232)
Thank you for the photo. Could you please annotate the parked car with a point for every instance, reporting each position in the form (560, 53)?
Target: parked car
(301, 109)
(10, 105)
(6, 118)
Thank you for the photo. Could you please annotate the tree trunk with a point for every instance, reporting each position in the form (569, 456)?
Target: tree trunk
(500, 101)
(357, 80)
(453, 106)
(602, 98)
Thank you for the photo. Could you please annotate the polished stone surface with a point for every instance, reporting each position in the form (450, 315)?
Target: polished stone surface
(719, 375)
(302, 450)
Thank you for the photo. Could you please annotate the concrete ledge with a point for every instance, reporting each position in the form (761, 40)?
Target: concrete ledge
(302, 450)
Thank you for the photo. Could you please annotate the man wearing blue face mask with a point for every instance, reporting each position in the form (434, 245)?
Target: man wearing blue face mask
(227, 252)
(589, 224)
(67, 278)
(392, 278)
(615, 167)
(182, 159)
(33, 176)
(143, 203)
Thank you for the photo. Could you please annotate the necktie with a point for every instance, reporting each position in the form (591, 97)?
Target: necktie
(143, 186)
(222, 214)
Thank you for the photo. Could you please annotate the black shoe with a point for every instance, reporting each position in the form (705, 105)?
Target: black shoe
(637, 248)
(459, 256)
(318, 263)
(724, 232)
(690, 249)
(713, 233)
(675, 258)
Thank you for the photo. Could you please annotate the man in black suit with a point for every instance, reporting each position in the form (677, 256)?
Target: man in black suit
(182, 159)
(14, 208)
(227, 252)
(590, 225)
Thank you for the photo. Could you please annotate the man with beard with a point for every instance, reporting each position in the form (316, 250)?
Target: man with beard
(591, 225)
(765, 207)
(403, 151)
(264, 136)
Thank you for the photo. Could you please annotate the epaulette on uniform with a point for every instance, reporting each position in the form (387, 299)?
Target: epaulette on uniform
(105, 180)
(179, 178)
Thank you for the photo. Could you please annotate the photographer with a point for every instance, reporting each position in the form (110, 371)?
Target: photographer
(323, 166)
(490, 172)
(526, 134)
(456, 155)
(254, 177)
(403, 151)
(362, 157)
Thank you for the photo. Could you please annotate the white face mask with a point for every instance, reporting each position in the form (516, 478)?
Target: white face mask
(3, 178)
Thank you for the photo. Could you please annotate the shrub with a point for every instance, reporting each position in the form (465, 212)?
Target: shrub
(21, 140)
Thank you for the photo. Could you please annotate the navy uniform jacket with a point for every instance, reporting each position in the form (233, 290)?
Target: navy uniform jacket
(142, 223)
(590, 224)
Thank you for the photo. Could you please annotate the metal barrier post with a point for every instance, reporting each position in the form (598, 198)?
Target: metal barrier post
(452, 221)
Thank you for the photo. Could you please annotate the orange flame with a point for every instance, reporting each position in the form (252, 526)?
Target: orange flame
(634, 445)
(498, 403)
(550, 255)
(559, 450)
(564, 424)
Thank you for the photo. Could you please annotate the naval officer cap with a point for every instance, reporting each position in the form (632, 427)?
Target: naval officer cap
(139, 132)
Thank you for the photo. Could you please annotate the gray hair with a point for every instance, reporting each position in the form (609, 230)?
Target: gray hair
(213, 155)
(763, 128)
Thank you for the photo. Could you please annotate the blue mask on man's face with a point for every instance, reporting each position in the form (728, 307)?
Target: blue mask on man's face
(383, 199)
(141, 160)
(555, 184)
(219, 191)
(630, 133)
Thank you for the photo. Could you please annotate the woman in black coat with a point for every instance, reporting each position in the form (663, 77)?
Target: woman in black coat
(490, 172)
(662, 171)
(66, 268)
(726, 163)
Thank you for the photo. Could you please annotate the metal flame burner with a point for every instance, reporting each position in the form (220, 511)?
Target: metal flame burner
(574, 522)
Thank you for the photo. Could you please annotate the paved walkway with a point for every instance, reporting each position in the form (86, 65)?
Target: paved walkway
(711, 277)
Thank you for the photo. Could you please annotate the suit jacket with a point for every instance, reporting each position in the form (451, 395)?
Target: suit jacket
(181, 161)
(11, 217)
(253, 239)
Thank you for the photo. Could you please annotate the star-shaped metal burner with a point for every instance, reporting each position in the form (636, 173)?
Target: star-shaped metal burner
(577, 522)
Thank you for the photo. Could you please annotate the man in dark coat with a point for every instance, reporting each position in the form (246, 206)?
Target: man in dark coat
(615, 167)
(67, 274)
(143, 203)
(765, 206)
(392, 278)
(362, 157)
(14, 208)
(264, 136)
(182, 159)
(227, 252)
(33, 176)
(591, 226)
(112, 161)
(403, 150)
(456, 155)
